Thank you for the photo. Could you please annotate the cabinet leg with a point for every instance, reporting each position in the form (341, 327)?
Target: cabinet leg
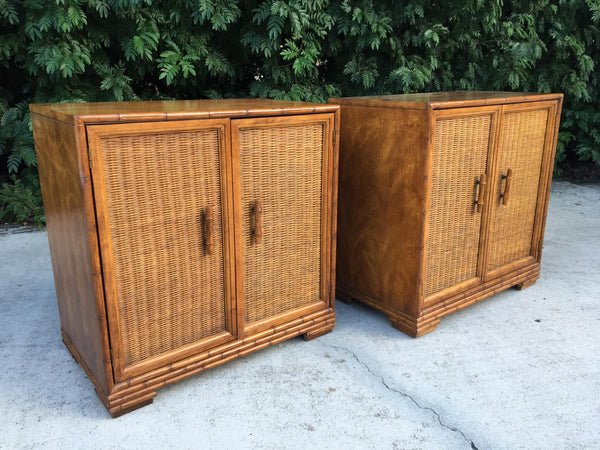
(309, 336)
(525, 284)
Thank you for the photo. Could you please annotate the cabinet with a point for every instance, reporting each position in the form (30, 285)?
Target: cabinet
(186, 234)
(442, 199)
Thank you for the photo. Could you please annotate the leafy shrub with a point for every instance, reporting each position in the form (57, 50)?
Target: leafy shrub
(105, 50)
(22, 201)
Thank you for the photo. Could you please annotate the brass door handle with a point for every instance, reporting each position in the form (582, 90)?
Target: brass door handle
(506, 193)
(257, 226)
(208, 231)
(481, 184)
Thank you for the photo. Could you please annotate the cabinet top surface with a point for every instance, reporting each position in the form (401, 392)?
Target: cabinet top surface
(112, 112)
(444, 99)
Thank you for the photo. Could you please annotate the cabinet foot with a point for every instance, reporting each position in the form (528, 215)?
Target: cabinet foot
(525, 284)
(309, 336)
(118, 407)
(413, 327)
(120, 412)
(343, 297)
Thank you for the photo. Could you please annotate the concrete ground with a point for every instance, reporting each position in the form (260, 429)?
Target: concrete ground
(518, 370)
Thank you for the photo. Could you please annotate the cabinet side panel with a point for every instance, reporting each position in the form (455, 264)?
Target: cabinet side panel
(63, 179)
(381, 206)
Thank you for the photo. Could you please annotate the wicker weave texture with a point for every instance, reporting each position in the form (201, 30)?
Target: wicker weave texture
(169, 291)
(459, 159)
(282, 167)
(523, 138)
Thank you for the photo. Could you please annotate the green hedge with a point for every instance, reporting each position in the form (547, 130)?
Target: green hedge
(95, 50)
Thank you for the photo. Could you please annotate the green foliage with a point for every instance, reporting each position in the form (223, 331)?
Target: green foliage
(104, 50)
(22, 202)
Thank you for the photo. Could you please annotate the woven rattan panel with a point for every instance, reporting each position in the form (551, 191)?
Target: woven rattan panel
(523, 138)
(169, 291)
(459, 159)
(281, 167)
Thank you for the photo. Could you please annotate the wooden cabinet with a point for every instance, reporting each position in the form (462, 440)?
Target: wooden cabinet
(186, 234)
(442, 199)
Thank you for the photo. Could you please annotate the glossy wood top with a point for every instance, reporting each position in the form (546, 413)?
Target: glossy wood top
(441, 100)
(122, 112)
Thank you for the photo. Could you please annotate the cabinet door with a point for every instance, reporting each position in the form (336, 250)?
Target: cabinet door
(282, 172)
(162, 205)
(462, 144)
(525, 140)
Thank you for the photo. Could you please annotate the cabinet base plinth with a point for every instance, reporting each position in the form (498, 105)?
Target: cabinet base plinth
(430, 314)
(138, 391)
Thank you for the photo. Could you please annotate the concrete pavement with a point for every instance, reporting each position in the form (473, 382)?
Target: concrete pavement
(518, 370)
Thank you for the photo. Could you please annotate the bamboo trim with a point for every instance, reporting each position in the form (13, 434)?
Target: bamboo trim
(283, 318)
(334, 204)
(418, 101)
(452, 291)
(515, 265)
(425, 212)
(482, 292)
(309, 320)
(491, 169)
(175, 110)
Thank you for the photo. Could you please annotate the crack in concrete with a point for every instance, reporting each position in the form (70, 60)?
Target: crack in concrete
(403, 394)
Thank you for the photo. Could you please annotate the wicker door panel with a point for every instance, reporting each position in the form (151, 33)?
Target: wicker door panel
(155, 189)
(522, 148)
(460, 154)
(281, 166)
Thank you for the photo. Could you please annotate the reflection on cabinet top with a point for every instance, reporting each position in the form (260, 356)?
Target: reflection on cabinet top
(442, 100)
(123, 112)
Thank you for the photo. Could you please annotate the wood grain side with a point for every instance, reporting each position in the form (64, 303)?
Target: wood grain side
(64, 182)
(548, 175)
(382, 193)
